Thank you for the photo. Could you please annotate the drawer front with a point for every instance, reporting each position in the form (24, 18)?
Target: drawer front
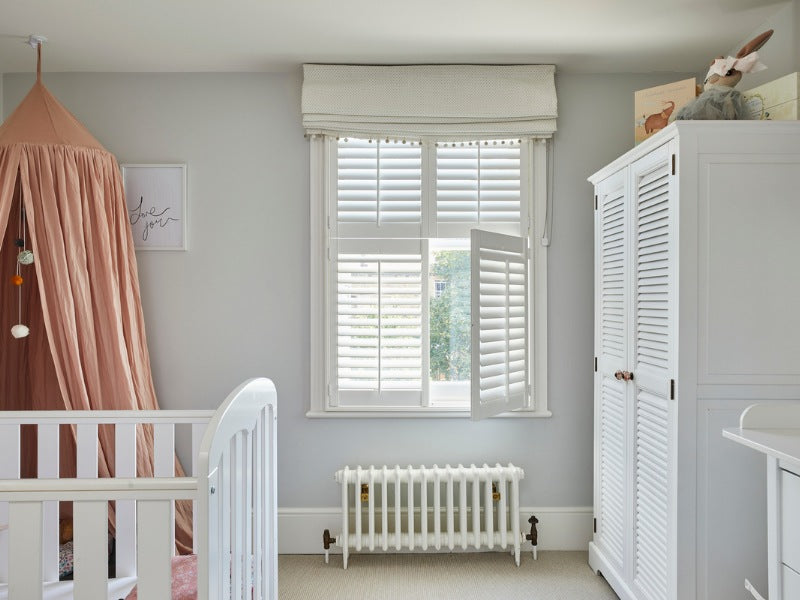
(790, 520)
(791, 584)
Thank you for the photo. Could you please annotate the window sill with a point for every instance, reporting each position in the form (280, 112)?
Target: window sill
(341, 413)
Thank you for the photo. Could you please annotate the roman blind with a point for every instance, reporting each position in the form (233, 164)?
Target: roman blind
(448, 101)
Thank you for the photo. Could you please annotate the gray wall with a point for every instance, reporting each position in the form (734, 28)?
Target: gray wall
(236, 304)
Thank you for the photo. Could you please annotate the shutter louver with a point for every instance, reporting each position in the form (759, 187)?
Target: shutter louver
(379, 327)
(652, 274)
(611, 507)
(652, 495)
(379, 184)
(478, 185)
(499, 323)
(612, 269)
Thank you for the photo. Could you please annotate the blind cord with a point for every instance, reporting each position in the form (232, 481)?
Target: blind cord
(548, 218)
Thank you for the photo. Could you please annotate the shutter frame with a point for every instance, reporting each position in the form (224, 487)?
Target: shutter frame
(490, 246)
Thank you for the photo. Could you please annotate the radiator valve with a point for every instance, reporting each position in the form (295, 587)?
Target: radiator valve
(495, 493)
(327, 542)
(533, 536)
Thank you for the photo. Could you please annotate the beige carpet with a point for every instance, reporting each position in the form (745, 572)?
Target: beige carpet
(471, 576)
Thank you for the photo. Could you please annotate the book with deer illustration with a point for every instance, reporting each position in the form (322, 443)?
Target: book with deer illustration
(656, 107)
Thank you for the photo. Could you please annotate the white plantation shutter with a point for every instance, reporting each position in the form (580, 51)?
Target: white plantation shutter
(379, 188)
(499, 323)
(379, 329)
(478, 184)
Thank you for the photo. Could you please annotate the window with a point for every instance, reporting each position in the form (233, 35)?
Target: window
(411, 242)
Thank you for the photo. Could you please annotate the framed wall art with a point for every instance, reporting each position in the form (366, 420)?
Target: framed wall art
(155, 195)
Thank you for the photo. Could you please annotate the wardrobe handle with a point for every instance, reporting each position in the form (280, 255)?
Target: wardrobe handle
(619, 375)
(627, 376)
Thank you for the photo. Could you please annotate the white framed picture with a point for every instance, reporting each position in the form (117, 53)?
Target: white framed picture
(155, 195)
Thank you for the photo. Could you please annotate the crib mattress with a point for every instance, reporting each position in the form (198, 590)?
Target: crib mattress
(62, 590)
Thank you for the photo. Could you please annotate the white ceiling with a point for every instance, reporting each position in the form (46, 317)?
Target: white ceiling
(265, 35)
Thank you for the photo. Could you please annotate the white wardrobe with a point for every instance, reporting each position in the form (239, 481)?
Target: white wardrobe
(697, 315)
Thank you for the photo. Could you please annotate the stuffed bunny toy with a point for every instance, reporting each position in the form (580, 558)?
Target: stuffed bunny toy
(719, 100)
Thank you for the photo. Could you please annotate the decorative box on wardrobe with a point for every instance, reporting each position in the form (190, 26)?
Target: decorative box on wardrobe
(697, 314)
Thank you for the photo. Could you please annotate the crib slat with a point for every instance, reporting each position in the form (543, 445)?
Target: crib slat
(198, 430)
(214, 535)
(25, 563)
(271, 497)
(247, 530)
(87, 450)
(225, 515)
(155, 550)
(258, 469)
(247, 520)
(90, 518)
(125, 466)
(47, 468)
(9, 469)
(164, 459)
(237, 545)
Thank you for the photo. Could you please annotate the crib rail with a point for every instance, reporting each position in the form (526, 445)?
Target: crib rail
(153, 498)
(86, 423)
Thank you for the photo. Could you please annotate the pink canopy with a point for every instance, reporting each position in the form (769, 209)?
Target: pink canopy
(80, 298)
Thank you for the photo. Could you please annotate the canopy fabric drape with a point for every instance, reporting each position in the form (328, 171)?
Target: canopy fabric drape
(447, 101)
(80, 298)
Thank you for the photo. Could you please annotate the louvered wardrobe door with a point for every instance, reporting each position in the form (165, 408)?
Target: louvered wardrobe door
(612, 441)
(654, 288)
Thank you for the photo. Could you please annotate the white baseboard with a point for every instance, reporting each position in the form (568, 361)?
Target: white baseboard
(560, 528)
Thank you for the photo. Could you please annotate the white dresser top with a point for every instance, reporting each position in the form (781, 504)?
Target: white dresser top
(773, 430)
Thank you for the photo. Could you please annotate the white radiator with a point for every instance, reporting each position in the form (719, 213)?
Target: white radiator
(419, 508)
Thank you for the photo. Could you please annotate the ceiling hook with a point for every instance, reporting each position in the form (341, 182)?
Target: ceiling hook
(34, 41)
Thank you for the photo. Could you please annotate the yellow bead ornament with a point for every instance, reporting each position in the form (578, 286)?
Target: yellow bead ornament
(16, 280)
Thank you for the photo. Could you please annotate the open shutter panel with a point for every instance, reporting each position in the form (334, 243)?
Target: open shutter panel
(499, 323)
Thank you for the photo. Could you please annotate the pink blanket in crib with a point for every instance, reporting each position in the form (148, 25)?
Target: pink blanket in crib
(184, 578)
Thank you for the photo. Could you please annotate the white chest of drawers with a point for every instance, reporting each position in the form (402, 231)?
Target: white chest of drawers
(775, 431)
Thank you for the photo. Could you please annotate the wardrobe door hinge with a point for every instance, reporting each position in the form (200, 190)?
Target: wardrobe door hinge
(595, 364)
(672, 389)
(595, 201)
(595, 525)
(673, 164)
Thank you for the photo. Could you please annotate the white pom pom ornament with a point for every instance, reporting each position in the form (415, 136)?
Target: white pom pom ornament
(20, 331)
(25, 257)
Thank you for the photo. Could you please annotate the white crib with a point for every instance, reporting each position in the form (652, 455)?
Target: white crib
(232, 487)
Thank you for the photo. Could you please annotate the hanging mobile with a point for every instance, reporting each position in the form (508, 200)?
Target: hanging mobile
(19, 330)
